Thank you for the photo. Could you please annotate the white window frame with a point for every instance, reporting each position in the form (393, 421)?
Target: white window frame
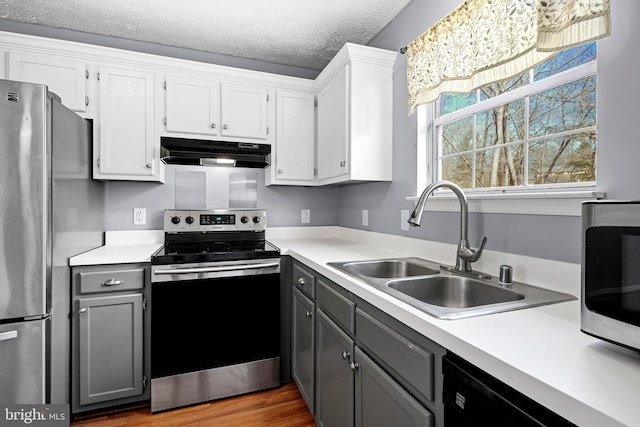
(563, 200)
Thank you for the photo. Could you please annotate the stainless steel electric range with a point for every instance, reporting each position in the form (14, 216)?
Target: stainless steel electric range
(215, 308)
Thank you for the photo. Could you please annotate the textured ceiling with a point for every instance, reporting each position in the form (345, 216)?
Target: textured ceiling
(303, 33)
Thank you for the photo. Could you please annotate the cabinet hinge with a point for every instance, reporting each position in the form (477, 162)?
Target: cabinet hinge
(315, 172)
(144, 303)
(98, 75)
(267, 130)
(315, 103)
(98, 162)
(86, 100)
(165, 85)
(144, 382)
(267, 97)
(164, 121)
(86, 73)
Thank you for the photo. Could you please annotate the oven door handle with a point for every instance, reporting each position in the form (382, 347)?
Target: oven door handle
(217, 269)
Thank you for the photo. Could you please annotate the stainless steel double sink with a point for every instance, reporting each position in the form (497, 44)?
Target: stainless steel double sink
(445, 293)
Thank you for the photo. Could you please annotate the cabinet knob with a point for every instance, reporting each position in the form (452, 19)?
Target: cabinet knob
(225, 127)
(280, 171)
(343, 163)
(213, 125)
(308, 313)
(354, 366)
(300, 281)
(82, 310)
(345, 355)
(149, 165)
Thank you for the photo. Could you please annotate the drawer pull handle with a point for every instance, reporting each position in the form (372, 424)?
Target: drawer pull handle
(82, 310)
(301, 281)
(345, 355)
(112, 282)
(6, 336)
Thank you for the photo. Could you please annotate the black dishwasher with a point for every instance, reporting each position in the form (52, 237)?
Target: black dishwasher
(474, 398)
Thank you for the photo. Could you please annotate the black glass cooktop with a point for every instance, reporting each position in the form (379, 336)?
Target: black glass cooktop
(184, 252)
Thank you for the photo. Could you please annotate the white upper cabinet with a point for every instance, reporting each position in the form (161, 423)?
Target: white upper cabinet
(355, 116)
(333, 127)
(192, 106)
(292, 157)
(244, 111)
(125, 145)
(209, 108)
(66, 77)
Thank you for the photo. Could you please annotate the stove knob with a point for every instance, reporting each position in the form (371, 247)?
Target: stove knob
(189, 220)
(244, 219)
(256, 219)
(175, 220)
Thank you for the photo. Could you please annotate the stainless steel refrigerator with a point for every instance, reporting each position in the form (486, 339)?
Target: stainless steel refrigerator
(50, 209)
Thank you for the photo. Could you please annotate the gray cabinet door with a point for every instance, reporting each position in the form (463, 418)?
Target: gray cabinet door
(303, 344)
(381, 401)
(110, 347)
(334, 381)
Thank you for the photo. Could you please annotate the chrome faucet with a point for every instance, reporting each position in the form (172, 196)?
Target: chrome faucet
(465, 255)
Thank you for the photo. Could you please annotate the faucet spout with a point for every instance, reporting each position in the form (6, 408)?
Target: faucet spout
(465, 255)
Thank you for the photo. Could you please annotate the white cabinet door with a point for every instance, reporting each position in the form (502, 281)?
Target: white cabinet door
(192, 106)
(66, 77)
(244, 111)
(126, 145)
(295, 141)
(333, 127)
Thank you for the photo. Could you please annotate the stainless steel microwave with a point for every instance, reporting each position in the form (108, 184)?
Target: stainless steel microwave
(611, 271)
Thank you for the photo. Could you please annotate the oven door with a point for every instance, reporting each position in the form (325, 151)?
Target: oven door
(214, 337)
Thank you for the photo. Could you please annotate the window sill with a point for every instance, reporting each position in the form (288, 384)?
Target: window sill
(566, 203)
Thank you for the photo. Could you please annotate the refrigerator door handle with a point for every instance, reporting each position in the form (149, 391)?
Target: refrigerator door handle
(6, 336)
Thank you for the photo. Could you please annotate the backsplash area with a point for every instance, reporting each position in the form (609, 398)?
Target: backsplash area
(197, 187)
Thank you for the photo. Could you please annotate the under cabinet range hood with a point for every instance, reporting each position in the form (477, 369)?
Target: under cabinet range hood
(184, 151)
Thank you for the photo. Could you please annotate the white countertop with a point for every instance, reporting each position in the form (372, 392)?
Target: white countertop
(122, 247)
(539, 351)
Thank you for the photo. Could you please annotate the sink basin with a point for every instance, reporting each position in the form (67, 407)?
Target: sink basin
(453, 291)
(444, 292)
(388, 269)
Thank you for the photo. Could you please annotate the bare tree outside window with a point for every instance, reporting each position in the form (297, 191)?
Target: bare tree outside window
(545, 137)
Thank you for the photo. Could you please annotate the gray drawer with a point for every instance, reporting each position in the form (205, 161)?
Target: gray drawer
(411, 363)
(304, 280)
(111, 281)
(340, 308)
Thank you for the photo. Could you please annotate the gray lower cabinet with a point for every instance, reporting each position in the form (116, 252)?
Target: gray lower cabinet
(303, 347)
(370, 370)
(381, 401)
(335, 375)
(109, 330)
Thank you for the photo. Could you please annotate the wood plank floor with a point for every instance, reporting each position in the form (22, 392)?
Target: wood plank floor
(282, 407)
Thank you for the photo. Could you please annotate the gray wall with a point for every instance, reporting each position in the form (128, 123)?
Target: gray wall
(549, 237)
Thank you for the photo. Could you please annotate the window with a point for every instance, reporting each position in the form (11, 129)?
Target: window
(534, 132)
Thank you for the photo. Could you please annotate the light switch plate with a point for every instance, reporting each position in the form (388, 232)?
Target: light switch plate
(139, 216)
(404, 217)
(305, 216)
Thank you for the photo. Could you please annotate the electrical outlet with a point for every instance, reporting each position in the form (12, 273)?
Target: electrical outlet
(305, 216)
(365, 217)
(404, 217)
(139, 216)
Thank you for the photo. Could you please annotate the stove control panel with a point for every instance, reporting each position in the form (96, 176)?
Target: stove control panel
(177, 221)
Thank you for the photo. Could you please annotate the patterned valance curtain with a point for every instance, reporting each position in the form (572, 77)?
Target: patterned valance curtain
(485, 41)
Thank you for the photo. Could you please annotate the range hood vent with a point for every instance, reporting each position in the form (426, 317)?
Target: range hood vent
(184, 151)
